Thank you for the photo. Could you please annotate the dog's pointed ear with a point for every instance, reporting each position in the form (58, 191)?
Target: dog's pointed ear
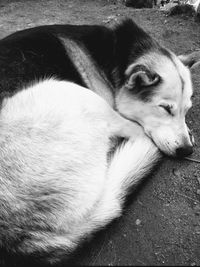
(139, 76)
(191, 60)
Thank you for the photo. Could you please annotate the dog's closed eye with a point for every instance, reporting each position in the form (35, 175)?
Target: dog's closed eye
(167, 108)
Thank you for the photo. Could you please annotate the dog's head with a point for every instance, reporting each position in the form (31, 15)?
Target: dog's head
(157, 94)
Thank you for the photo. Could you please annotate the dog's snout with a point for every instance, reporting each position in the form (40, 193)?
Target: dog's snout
(184, 151)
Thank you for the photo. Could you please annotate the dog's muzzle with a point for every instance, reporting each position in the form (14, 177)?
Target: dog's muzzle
(184, 151)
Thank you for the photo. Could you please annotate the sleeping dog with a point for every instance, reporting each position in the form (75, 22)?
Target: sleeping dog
(57, 183)
(143, 81)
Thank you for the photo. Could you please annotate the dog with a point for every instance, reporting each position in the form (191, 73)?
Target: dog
(57, 183)
(144, 81)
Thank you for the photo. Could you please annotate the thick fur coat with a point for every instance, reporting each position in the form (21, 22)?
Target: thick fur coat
(57, 182)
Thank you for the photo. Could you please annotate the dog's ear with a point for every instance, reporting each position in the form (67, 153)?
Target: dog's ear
(139, 76)
(191, 60)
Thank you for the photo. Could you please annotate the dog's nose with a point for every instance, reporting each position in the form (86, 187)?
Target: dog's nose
(184, 151)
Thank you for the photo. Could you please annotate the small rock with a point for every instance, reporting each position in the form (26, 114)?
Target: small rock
(109, 19)
(138, 222)
(177, 173)
(182, 9)
(197, 229)
(198, 179)
(197, 210)
(198, 191)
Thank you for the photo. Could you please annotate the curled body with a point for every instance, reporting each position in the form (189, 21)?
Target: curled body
(56, 183)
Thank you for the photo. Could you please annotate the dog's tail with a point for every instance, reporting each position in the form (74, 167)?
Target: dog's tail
(131, 162)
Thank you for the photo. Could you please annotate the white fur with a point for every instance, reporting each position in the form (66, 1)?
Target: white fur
(55, 179)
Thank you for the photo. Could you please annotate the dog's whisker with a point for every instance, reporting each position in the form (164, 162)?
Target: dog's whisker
(193, 160)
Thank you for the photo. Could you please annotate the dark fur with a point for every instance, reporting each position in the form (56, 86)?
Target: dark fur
(38, 52)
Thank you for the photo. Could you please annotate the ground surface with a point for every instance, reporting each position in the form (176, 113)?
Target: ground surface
(161, 225)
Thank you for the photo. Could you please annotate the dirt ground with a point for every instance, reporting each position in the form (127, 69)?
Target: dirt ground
(161, 224)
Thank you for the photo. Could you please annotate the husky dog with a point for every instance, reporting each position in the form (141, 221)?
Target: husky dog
(142, 80)
(57, 184)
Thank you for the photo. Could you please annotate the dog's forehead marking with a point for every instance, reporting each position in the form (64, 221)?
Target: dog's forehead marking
(185, 77)
(176, 78)
(167, 69)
